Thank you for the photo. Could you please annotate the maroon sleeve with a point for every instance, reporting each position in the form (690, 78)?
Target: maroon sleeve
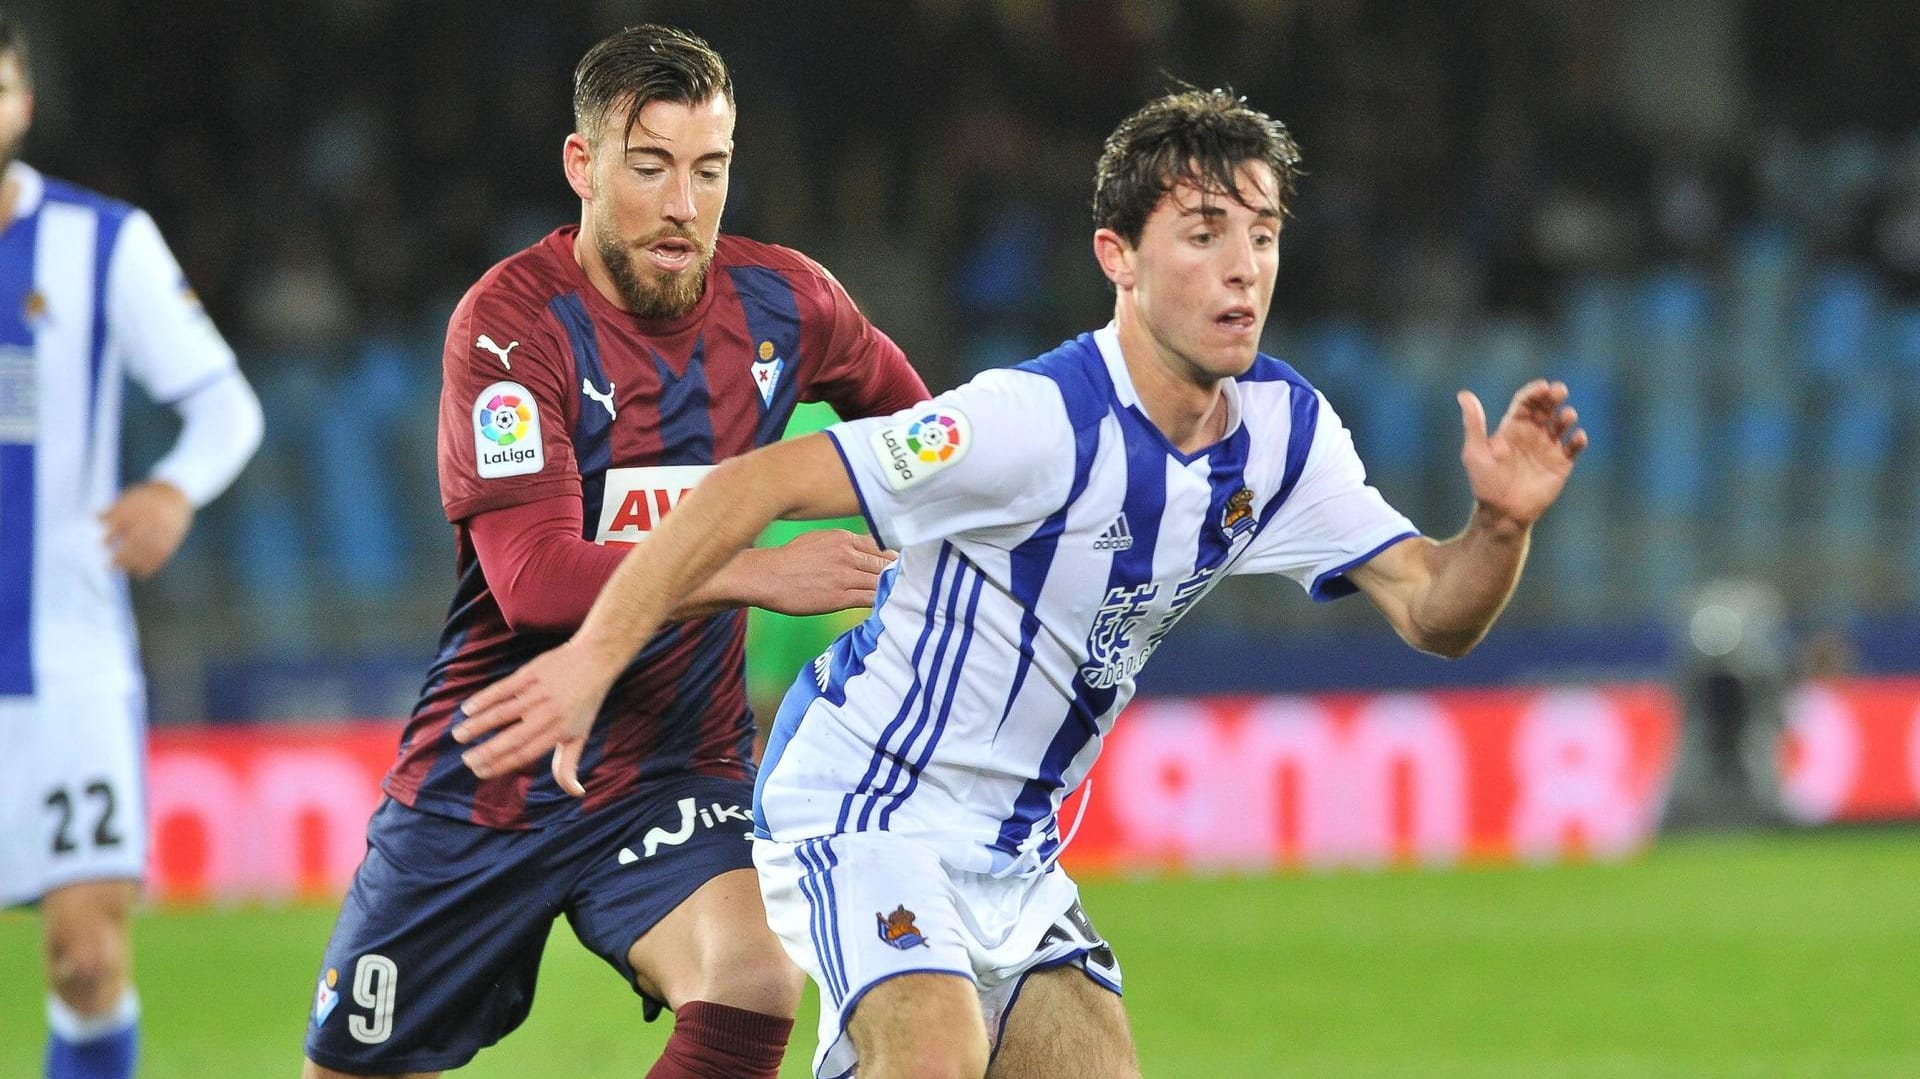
(487, 462)
(862, 372)
(541, 573)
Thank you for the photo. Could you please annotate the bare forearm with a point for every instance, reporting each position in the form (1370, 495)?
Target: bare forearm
(738, 583)
(1472, 577)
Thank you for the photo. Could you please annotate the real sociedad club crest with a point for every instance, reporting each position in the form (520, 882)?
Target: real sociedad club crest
(766, 371)
(898, 929)
(1237, 516)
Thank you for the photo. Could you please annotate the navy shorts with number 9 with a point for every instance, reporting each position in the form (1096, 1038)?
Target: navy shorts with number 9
(438, 943)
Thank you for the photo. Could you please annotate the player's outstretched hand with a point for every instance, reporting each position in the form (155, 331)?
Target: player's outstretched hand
(821, 571)
(549, 704)
(145, 526)
(1519, 470)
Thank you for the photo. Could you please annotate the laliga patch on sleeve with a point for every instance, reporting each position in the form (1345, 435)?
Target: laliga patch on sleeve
(506, 432)
(912, 451)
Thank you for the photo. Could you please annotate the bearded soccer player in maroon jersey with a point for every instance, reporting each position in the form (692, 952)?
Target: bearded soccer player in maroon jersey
(589, 381)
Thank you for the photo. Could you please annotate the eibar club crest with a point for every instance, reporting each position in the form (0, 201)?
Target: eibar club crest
(898, 929)
(766, 371)
(325, 995)
(1237, 516)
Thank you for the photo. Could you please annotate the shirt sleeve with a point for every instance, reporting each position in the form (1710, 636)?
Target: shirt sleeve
(543, 575)
(967, 461)
(172, 348)
(1331, 522)
(863, 373)
(504, 407)
(174, 351)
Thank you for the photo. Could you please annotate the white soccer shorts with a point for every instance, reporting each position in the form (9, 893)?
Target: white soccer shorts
(72, 792)
(856, 909)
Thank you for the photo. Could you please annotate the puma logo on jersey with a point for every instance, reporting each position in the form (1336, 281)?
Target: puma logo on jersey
(691, 814)
(490, 345)
(1117, 537)
(605, 399)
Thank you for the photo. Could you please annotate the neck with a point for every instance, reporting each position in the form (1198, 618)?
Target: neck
(9, 194)
(1189, 408)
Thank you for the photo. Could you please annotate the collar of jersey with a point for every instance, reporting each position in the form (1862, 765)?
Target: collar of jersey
(1107, 338)
(33, 188)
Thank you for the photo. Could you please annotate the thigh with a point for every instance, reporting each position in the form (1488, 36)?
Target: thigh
(904, 1024)
(716, 947)
(73, 799)
(437, 946)
(668, 897)
(1064, 1025)
(857, 912)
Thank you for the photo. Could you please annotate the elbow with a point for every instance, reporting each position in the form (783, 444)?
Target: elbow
(530, 618)
(1447, 643)
(248, 423)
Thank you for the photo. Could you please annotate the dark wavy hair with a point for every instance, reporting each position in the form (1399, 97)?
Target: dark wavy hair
(1200, 136)
(642, 64)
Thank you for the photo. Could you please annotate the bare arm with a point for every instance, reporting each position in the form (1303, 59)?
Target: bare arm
(1443, 597)
(550, 703)
(545, 577)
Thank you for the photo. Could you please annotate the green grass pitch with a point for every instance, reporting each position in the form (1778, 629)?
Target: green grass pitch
(1754, 956)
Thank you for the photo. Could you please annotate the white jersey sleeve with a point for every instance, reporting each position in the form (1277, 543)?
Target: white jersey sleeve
(1332, 521)
(994, 453)
(176, 354)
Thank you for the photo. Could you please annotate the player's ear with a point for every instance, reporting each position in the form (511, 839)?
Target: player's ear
(576, 159)
(1115, 256)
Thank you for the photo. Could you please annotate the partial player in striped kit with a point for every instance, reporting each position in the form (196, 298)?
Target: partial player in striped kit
(590, 381)
(89, 295)
(1054, 521)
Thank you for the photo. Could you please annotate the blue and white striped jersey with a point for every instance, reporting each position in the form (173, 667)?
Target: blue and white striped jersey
(1049, 537)
(89, 293)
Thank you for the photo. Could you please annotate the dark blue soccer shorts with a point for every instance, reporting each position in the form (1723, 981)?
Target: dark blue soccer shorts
(438, 943)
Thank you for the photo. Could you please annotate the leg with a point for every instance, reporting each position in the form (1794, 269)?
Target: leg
(672, 867)
(89, 954)
(923, 1026)
(1063, 1024)
(732, 990)
(93, 1012)
(716, 947)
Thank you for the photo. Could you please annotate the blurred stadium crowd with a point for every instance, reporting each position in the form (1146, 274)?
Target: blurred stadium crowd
(1703, 214)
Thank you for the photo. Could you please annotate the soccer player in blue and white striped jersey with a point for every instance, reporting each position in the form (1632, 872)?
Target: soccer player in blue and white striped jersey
(89, 294)
(1054, 520)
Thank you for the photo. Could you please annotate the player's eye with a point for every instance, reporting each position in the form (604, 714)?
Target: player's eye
(709, 175)
(649, 172)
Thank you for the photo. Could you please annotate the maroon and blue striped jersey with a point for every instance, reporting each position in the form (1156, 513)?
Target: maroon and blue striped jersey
(551, 391)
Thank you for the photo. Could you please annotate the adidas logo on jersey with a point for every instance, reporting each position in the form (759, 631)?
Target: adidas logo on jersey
(1117, 537)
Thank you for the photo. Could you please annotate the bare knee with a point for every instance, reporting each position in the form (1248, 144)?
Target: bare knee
(88, 955)
(759, 979)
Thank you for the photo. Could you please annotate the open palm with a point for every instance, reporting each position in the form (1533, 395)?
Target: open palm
(1519, 469)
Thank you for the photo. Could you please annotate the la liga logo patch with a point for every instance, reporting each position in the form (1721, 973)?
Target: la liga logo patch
(506, 432)
(913, 451)
(936, 437)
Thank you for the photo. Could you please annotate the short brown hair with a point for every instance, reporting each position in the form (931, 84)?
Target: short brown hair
(1200, 136)
(642, 64)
